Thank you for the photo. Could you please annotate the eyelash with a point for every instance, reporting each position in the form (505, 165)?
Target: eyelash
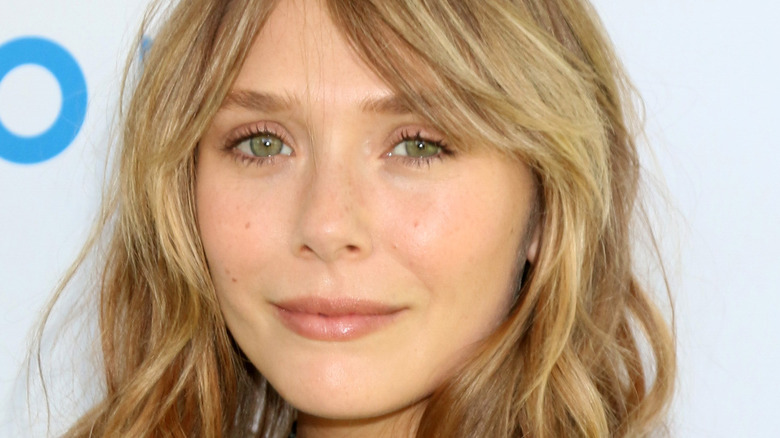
(406, 135)
(247, 132)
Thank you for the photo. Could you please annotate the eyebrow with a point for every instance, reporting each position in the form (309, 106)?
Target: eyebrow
(261, 102)
(392, 104)
(268, 102)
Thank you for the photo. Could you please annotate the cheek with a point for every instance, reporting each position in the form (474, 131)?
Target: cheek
(220, 215)
(456, 234)
(461, 243)
(238, 235)
(241, 247)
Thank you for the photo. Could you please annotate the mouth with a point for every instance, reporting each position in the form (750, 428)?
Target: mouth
(342, 319)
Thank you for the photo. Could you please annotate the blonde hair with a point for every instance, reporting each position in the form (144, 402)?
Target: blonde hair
(536, 79)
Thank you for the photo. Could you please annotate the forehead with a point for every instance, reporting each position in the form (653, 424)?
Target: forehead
(301, 54)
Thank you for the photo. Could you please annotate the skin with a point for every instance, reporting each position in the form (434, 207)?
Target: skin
(347, 215)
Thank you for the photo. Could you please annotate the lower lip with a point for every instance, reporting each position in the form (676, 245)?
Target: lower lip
(320, 327)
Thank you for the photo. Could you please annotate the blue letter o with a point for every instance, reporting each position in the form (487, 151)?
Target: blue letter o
(53, 57)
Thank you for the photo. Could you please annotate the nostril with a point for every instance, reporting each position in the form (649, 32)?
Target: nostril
(329, 253)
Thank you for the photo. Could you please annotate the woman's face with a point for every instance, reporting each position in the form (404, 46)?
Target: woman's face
(357, 255)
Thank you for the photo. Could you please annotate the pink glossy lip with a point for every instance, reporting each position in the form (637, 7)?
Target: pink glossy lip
(342, 319)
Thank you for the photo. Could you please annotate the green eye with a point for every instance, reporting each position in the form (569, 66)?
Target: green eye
(416, 148)
(264, 145)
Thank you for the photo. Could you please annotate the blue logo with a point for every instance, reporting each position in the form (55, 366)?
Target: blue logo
(62, 65)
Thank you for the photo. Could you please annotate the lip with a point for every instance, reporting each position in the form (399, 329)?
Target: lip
(335, 319)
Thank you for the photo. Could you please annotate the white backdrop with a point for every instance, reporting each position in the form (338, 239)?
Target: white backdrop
(708, 70)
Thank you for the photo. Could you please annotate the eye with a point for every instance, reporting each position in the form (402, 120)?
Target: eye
(264, 144)
(417, 148)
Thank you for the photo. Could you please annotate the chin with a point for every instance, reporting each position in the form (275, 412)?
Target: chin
(348, 389)
(350, 407)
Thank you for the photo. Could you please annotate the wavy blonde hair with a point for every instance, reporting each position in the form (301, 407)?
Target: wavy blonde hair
(584, 351)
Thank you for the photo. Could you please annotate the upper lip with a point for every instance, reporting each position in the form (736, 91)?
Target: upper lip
(335, 307)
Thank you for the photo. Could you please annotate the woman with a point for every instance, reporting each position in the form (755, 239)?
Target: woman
(377, 219)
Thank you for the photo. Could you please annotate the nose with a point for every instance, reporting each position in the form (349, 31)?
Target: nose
(332, 221)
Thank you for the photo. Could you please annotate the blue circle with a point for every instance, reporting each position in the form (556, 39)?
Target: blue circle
(73, 85)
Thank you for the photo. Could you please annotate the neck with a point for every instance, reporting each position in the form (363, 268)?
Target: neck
(398, 424)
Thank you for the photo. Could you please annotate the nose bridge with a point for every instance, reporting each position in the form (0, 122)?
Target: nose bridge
(332, 222)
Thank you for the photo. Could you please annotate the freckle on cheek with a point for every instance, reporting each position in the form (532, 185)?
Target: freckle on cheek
(234, 280)
(248, 225)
